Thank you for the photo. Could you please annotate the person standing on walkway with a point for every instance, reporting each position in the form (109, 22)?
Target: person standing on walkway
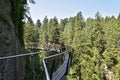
(49, 45)
(62, 45)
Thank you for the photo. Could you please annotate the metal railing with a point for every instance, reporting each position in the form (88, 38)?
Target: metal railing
(23, 55)
(20, 55)
(63, 66)
(44, 63)
(32, 54)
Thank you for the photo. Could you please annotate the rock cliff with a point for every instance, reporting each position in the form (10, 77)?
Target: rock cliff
(10, 69)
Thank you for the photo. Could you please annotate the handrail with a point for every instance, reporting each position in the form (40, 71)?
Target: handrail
(62, 70)
(34, 53)
(20, 55)
(53, 55)
(45, 67)
(46, 70)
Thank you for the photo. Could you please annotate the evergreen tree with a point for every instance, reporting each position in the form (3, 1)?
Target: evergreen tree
(68, 33)
(89, 25)
(99, 42)
(111, 55)
(54, 31)
(38, 23)
(77, 43)
(63, 23)
(43, 31)
(31, 33)
(118, 32)
(96, 44)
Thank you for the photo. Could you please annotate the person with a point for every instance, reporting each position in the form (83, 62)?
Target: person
(53, 47)
(49, 45)
(62, 45)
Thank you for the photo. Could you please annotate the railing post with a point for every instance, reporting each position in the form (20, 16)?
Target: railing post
(46, 70)
(33, 69)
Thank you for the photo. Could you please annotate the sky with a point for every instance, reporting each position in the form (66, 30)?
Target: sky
(68, 8)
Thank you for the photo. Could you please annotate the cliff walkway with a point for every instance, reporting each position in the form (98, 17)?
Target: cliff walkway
(56, 72)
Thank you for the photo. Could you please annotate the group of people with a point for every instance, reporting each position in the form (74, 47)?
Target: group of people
(53, 46)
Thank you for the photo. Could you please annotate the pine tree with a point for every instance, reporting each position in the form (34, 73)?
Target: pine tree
(78, 40)
(63, 23)
(31, 33)
(38, 23)
(54, 30)
(98, 41)
(43, 31)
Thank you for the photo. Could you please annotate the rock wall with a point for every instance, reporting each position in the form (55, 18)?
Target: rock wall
(10, 69)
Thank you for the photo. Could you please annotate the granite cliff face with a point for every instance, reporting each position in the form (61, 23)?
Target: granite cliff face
(10, 69)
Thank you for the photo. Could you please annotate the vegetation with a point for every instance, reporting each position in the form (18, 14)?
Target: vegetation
(96, 43)
(18, 12)
(31, 34)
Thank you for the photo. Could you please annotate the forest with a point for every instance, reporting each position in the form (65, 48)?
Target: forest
(96, 43)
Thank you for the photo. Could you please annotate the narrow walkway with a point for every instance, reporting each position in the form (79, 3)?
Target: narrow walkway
(59, 74)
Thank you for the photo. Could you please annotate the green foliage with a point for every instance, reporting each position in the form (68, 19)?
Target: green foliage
(37, 68)
(96, 44)
(68, 33)
(43, 31)
(6, 17)
(28, 69)
(49, 31)
(31, 33)
(53, 31)
(63, 23)
(18, 12)
(38, 23)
